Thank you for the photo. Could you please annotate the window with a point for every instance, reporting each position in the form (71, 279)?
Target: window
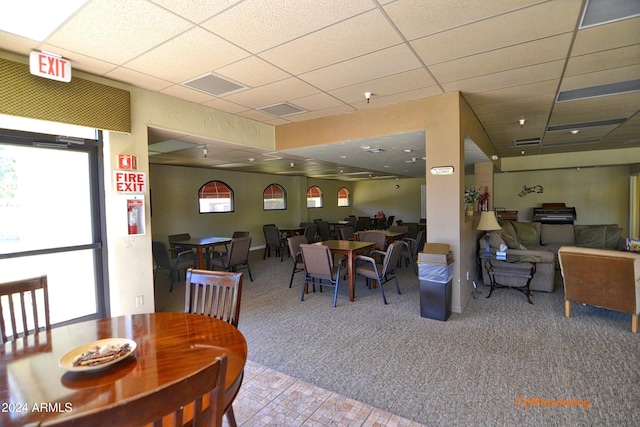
(344, 198)
(274, 198)
(215, 196)
(50, 218)
(314, 197)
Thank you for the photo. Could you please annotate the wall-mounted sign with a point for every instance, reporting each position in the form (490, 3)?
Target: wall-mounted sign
(127, 162)
(442, 170)
(130, 182)
(50, 66)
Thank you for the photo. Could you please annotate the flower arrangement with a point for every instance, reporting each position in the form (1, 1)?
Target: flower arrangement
(380, 215)
(471, 195)
(483, 201)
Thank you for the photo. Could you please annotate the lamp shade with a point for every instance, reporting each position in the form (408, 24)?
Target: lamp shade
(488, 221)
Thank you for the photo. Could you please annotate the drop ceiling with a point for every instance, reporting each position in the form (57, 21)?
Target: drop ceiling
(283, 61)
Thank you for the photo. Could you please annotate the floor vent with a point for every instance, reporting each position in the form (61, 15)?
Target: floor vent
(282, 110)
(526, 142)
(215, 85)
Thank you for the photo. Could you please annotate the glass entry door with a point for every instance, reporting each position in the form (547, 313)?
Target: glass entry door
(50, 210)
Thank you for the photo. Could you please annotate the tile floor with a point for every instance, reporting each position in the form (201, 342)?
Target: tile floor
(271, 398)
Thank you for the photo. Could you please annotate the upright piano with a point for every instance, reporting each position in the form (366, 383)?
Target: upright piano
(554, 213)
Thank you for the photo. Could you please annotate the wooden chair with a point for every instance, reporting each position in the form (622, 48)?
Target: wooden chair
(22, 299)
(216, 294)
(202, 392)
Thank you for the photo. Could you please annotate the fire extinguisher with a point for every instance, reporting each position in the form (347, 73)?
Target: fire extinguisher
(132, 215)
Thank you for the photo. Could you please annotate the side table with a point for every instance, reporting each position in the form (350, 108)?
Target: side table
(519, 266)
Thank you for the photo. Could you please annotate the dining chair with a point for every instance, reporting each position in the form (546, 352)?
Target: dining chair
(177, 238)
(347, 232)
(381, 272)
(236, 258)
(197, 400)
(319, 265)
(215, 294)
(172, 266)
(310, 232)
(324, 231)
(363, 223)
(389, 222)
(273, 240)
(240, 234)
(377, 237)
(411, 249)
(294, 249)
(24, 304)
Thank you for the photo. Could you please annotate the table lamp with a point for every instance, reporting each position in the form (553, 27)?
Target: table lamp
(488, 223)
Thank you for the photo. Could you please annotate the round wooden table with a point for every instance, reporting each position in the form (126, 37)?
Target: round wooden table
(170, 346)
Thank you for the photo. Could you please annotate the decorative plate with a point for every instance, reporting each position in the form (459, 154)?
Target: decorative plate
(97, 354)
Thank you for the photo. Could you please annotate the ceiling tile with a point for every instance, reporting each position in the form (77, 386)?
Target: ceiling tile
(196, 10)
(419, 19)
(344, 40)
(273, 93)
(173, 60)
(384, 86)
(252, 72)
(504, 30)
(517, 77)
(375, 65)
(187, 93)
(597, 78)
(144, 81)
(125, 29)
(532, 53)
(607, 36)
(278, 23)
(603, 60)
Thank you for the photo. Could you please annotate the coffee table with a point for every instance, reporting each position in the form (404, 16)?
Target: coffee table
(521, 266)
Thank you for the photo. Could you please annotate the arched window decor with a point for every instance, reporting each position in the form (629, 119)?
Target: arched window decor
(344, 197)
(215, 196)
(274, 197)
(314, 197)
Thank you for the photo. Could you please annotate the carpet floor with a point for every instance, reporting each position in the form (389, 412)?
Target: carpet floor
(501, 362)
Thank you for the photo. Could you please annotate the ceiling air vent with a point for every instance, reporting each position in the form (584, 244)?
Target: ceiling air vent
(597, 91)
(282, 110)
(526, 142)
(215, 85)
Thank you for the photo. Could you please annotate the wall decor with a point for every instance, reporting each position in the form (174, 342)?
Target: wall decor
(528, 190)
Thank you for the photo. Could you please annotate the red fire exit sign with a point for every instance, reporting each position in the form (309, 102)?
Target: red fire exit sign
(50, 66)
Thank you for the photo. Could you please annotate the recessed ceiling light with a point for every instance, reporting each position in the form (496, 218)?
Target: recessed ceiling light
(343, 157)
(407, 150)
(574, 131)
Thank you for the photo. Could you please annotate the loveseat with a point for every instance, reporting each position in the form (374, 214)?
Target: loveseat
(601, 278)
(543, 241)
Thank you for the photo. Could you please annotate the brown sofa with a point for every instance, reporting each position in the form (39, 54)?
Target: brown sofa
(602, 278)
(544, 240)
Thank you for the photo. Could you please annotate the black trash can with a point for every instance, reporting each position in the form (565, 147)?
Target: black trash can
(435, 290)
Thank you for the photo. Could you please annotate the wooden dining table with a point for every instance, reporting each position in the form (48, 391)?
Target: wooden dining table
(350, 248)
(170, 346)
(202, 245)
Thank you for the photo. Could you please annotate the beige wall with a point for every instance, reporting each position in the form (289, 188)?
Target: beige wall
(599, 194)
(446, 120)
(370, 196)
